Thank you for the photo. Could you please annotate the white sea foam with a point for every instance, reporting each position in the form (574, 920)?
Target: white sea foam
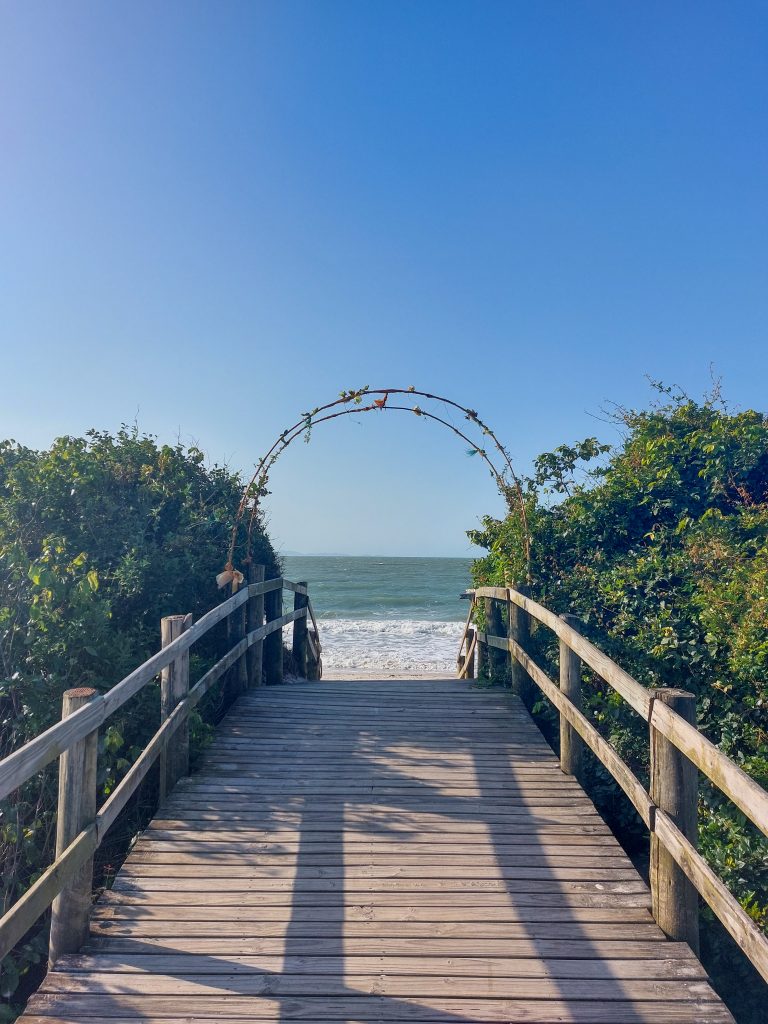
(407, 645)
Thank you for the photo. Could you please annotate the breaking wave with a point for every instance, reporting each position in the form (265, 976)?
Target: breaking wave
(406, 645)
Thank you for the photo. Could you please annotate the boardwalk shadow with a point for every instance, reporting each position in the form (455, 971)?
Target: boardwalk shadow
(391, 764)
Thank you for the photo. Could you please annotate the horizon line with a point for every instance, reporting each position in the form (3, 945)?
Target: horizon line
(343, 554)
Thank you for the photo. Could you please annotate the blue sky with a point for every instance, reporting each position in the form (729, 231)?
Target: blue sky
(216, 215)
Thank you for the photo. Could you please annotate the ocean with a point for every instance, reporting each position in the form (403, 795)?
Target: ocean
(390, 614)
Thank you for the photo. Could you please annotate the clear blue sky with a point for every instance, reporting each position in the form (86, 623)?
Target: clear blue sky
(215, 215)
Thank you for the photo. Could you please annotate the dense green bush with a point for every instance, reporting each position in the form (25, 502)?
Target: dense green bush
(99, 538)
(662, 550)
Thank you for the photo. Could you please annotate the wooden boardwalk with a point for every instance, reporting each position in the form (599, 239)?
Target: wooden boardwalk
(378, 851)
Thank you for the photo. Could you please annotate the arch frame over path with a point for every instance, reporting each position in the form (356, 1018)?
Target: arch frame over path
(363, 400)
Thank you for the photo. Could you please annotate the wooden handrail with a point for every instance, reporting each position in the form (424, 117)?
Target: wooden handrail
(634, 693)
(631, 785)
(748, 796)
(467, 625)
(664, 722)
(23, 763)
(463, 660)
(314, 620)
(297, 588)
(466, 661)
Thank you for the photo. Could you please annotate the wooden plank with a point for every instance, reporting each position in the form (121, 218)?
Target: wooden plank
(265, 587)
(355, 833)
(527, 754)
(94, 984)
(406, 824)
(258, 773)
(487, 860)
(424, 812)
(473, 967)
(352, 780)
(451, 805)
(351, 873)
(409, 795)
(353, 931)
(587, 946)
(546, 883)
(489, 911)
(373, 1009)
(113, 901)
(296, 588)
(278, 754)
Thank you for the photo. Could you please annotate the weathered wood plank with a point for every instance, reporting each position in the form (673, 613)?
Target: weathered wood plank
(362, 885)
(373, 1009)
(500, 911)
(112, 900)
(484, 861)
(461, 967)
(360, 844)
(527, 946)
(351, 873)
(95, 984)
(380, 932)
(405, 824)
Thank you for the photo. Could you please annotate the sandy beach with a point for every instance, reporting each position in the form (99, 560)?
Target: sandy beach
(364, 674)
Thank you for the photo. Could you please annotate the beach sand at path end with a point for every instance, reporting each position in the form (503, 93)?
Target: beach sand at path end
(367, 675)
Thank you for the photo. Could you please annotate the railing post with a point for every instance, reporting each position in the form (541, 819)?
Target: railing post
(520, 630)
(470, 660)
(273, 644)
(174, 686)
(71, 910)
(300, 651)
(312, 665)
(571, 744)
(237, 677)
(241, 667)
(496, 657)
(481, 657)
(255, 621)
(675, 790)
(467, 655)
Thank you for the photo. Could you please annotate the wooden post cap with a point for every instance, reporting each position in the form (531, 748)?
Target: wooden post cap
(78, 695)
(667, 694)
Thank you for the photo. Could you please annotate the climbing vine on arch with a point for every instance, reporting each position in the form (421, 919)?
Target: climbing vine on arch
(482, 442)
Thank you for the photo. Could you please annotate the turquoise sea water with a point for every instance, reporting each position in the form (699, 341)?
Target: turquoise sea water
(389, 613)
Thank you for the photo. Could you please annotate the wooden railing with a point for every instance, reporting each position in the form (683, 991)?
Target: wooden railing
(255, 620)
(678, 872)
